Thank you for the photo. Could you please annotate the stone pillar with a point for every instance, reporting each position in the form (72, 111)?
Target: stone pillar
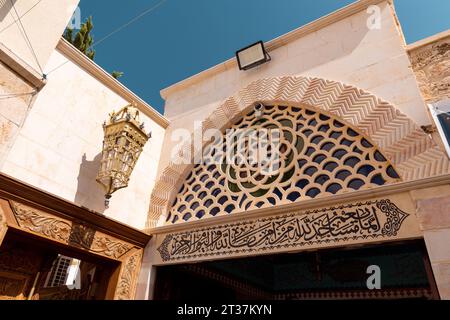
(434, 219)
(147, 277)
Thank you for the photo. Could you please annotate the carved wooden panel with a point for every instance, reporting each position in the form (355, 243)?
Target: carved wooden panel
(359, 222)
(12, 286)
(431, 65)
(3, 226)
(18, 267)
(58, 293)
(126, 286)
(14, 259)
(68, 232)
(317, 155)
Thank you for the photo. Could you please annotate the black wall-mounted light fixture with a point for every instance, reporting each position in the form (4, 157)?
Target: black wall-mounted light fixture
(252, 56)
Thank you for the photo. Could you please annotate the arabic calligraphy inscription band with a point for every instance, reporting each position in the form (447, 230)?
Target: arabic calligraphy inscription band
(368, 220)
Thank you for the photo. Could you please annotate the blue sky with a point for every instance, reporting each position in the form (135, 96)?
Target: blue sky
(183, 37)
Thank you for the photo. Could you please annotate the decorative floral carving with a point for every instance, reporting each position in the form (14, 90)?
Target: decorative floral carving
(68, 232)
(81, 236)
(244, 172)
(394, 215)
(35, 221)
(58, 293)
(126, 286)
(18, 260)
(10, 289)
(163, 249)
(2, 225)
(109, 247)
(432, 67)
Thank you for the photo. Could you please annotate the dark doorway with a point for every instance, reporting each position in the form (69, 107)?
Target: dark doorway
(32, 268)
(405, 273)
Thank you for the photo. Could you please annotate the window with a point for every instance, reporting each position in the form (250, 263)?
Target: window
(441, 116)
(63, 272)
(58, 275)
(316, 155)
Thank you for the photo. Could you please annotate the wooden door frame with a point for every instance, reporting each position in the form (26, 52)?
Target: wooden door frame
(26, 209)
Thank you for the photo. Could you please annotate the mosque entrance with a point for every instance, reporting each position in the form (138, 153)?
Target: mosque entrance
(403, 268)
(34, 269)
(53, 249)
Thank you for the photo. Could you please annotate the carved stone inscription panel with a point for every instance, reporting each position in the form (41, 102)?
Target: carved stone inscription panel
(68, 232)
(345, 224)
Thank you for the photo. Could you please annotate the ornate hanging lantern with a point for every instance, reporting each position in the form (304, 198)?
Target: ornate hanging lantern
(122, 145)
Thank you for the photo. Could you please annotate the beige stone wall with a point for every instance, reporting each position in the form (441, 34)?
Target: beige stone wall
(16, 96)
(59, 147)
(433, 207)
(345, 51)
(43, 23)
(431, 64)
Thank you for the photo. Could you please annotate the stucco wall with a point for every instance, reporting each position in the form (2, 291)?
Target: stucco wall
(59, 147)
(346, 51)
(16, 96)
(44, 22)
(431, 64)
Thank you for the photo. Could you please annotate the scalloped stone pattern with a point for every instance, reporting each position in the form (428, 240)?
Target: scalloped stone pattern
(316, 156)
(412, 152)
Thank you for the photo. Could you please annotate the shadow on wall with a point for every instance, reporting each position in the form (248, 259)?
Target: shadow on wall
(5, 8)
(90, 194)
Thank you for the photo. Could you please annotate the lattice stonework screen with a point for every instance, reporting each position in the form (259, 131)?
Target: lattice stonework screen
(319, 156)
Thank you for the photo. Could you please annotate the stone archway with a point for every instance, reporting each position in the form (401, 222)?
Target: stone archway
(403, 142)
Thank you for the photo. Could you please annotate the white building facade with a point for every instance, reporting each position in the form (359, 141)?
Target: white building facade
(346, 82)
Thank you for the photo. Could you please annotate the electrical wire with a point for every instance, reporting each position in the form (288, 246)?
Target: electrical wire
(27, 39)
(14, 95)
(133, 20)
(23, 15)
(145, 12)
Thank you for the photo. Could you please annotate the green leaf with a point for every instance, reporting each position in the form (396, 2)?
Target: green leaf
(117, 74)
